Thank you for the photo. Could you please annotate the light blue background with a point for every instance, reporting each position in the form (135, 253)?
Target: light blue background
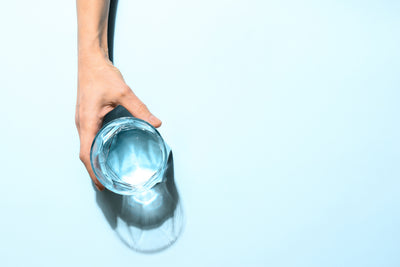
(283, 117)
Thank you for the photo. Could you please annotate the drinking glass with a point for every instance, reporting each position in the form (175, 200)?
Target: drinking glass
(128, 155)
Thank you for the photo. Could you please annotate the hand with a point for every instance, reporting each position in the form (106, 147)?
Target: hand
(101, 88)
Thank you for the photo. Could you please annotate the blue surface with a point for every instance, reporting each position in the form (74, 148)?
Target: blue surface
(283, 117)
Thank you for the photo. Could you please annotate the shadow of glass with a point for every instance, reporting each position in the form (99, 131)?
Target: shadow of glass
(149, 222)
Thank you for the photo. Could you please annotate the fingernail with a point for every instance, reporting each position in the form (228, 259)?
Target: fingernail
(98, 188)
(154, 120)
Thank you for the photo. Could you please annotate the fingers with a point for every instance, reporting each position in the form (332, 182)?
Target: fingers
(138, 109)
(96, 182)
(87, 134)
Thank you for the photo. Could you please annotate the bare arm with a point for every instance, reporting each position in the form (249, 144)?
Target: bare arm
(92, 27)
(101, 86)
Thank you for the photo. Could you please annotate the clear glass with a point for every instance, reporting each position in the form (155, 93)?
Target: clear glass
(128, 156)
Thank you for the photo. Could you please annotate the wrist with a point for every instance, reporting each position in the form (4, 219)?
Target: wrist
(92, 56)
(92, 50)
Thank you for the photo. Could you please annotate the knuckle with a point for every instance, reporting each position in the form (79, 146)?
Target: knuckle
(83, 157)
(124, 91)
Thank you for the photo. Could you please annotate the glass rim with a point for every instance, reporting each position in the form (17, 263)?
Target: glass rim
(129, 189)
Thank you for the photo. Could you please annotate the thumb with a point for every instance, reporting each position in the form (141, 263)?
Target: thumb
(138, 109)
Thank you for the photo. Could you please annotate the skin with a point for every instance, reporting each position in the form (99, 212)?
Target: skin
(101, 86)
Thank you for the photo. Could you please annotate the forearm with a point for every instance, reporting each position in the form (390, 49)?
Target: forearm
(92, 27)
